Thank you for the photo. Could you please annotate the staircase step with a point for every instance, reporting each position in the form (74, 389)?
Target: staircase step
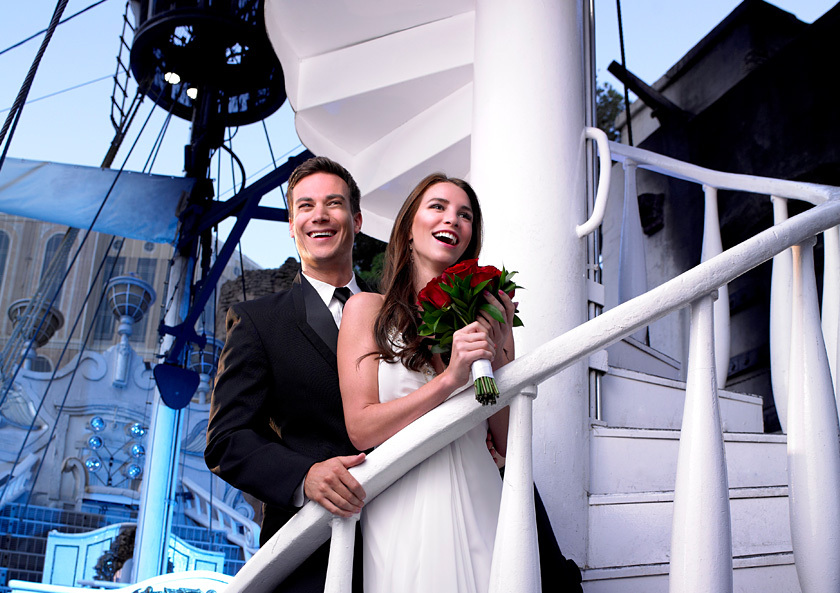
(628, 460)
(630, 353)
(635, 528)
(630, 399)
(752, 574)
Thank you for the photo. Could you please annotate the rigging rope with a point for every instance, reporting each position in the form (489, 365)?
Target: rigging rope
(17, 107)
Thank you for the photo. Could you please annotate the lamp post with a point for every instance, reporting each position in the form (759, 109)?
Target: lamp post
(129, 298)
(38, 333)
(204, 362)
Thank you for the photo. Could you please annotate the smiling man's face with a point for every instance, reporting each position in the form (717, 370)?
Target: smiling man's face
(323, 225)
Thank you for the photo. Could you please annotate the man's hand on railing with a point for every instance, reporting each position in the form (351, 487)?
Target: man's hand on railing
(330, 485)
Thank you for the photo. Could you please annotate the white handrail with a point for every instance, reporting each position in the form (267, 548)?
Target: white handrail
(808, 192)
(600, 207)
(309, 528)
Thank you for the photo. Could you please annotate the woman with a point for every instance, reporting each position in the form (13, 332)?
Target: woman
(433, 530)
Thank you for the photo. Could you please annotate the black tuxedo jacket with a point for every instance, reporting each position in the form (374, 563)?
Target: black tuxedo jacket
(276, 409)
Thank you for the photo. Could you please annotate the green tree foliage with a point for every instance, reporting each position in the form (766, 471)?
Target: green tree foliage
(608, 104)
(369, 259)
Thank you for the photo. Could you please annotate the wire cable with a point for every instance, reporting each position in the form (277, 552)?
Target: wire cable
(88, 333)
(17, 107)
(624, 65)
(61, 22)
(67, 90)
(10, 381)
(58, 365)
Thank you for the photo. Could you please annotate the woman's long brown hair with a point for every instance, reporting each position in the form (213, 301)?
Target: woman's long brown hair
(399, 315)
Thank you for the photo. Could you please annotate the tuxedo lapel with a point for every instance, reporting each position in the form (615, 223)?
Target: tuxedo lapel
(315, 319)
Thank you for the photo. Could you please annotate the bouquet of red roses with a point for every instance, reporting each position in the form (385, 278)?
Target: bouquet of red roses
(452, 301)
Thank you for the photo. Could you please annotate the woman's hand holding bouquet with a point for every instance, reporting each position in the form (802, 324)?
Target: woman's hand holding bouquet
(453, 301)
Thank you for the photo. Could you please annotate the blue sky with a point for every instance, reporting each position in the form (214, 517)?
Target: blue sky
(74, 127)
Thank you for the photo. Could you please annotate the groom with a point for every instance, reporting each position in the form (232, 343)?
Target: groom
(276, 428)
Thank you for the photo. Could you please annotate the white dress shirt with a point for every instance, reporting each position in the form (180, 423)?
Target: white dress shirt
(327, 293)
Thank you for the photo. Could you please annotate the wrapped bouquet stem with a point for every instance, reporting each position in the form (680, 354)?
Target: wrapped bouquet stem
(452, 301)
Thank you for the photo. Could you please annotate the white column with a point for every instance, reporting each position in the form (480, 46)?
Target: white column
(701, 536)
(712, 246)
(813, 439)
(831, 303)
(340, 567)
(780, 287)
(516, 553)
(159, 476)
(527, 165)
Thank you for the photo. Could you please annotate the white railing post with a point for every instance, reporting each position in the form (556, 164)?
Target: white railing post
(813, 439)
(831, 302)
(632, 269)
(342, 544)
(780, 308)
(516, 553)
(701, 536)
(713, 246)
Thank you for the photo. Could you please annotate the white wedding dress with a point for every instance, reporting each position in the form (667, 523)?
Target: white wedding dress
(433, 530)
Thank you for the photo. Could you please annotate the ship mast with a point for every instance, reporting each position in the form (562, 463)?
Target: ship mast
(210, 63)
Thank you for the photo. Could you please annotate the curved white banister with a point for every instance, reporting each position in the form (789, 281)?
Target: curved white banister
(632, 266)
(701, 536)
(309, 528)
(342, 544)
(603, 193)
(515, 566)
(713, 246)
(780, 287)
(808, 192)
(813, 443)
(831, 303)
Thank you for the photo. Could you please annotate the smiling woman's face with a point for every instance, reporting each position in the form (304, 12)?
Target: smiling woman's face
(442, 228)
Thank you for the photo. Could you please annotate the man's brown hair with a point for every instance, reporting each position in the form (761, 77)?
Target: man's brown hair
(322, 164)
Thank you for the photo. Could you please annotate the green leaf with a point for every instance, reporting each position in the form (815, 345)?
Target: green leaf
(493, 312)
(517, 322)
(460, 303)
(478, 288)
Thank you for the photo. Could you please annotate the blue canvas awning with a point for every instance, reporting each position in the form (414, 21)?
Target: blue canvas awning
(141, 206)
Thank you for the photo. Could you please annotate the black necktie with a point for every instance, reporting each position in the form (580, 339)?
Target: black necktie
(342, 294)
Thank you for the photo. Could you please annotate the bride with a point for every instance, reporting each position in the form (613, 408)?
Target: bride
(433, 530)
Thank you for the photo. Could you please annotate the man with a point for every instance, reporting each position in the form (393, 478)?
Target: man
(276, 427)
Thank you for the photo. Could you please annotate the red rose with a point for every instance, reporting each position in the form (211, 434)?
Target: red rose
(434, 295)
(483, 273)
(461, 269)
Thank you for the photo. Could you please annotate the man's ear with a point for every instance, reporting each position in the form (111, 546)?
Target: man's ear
(357, 223)
(291, 228)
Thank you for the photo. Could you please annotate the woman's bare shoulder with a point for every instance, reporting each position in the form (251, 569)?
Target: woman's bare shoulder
(363, 304)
